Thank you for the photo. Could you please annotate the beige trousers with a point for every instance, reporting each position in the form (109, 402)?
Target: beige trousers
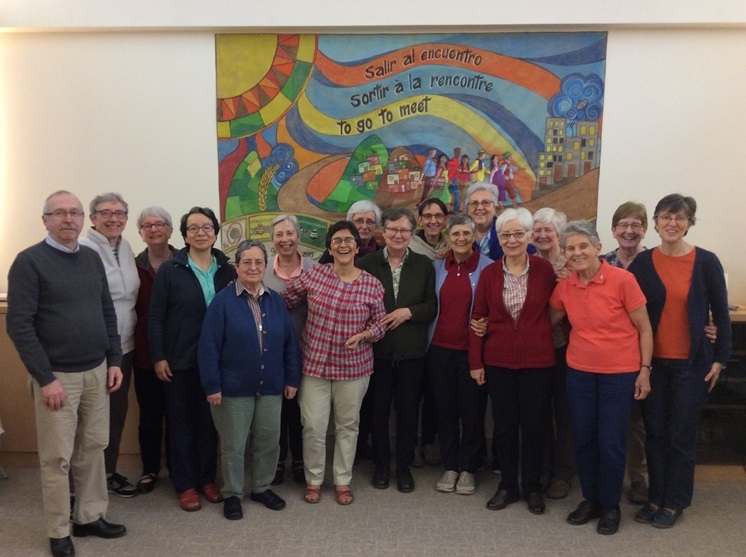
(73, 438)
(318, 397)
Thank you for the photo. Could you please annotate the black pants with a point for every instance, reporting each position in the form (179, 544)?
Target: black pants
(118, 406)
(457, 399)
(151, 397)
(291, 430)
(400, 382)
(520, 403)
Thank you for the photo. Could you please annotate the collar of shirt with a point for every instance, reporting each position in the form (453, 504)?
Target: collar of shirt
(56, 245)
(386, 255)
(278, 272)
(505, 266)
(240, 289)
(599, 278)
(470, 264)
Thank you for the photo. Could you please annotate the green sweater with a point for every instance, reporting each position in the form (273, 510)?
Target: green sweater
(60, 314)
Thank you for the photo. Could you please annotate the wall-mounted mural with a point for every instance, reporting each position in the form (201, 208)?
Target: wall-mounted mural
(309, 124)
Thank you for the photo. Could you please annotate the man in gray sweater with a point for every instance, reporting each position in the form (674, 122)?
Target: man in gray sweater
(62, 322)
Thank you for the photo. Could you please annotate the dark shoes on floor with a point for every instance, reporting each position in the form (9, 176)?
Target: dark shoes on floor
(585, 512)
(381, 478)
(665, 518)
(146, 483)
(118, 485)
(645, 515)
(502, 499)
(535, 503)
(62, 547)
(269, 499)
(608, 522)
(404, 481)
(100, 528)
(232, 509)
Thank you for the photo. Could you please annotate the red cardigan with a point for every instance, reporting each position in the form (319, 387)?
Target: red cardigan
(526, 343)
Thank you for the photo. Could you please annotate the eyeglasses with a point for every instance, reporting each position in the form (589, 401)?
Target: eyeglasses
(484, 203)
(518, 235)
(61, 213)
(361, 222)
(153, 225)
(349, 240)
(194, 229)
(667, 217)
(394, 231)
(432, 216)
(108, 213)
(635, 226)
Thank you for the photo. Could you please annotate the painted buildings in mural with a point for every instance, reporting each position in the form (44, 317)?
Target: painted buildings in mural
(568, 157)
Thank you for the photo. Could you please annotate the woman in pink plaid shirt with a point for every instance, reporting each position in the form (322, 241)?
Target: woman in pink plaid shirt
(345, 307)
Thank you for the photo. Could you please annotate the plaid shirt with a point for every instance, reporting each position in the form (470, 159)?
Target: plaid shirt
(514, 291)
(336, 311)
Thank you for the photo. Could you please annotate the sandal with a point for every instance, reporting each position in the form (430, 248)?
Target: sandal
(299, 476)
(279, 474)
(312, 494)
(189, 500)
(344, 496)
(146, 483)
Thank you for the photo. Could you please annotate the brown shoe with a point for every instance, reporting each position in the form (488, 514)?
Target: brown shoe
(211, 493)
(189, 500)
(638, 492)
(558, 489)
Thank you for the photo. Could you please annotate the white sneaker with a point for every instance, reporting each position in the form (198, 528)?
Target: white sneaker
(466, 484)
(447, 482)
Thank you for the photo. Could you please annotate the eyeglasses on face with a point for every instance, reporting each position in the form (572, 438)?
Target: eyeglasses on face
(361, 222)
(432, 216)
(160, 225)
(194, 229)
(665, 218)
(404, 232)
(484, 203)
(108, 213)
(62, 213)
(636, 226)
(349, 240)
(518, 235)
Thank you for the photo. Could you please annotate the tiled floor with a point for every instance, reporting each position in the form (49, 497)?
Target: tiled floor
(379, 523)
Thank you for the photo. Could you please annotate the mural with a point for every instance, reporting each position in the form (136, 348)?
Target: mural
(309, 124)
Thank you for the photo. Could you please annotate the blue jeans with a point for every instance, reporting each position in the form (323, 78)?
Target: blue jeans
(671, 413)
(600, 408)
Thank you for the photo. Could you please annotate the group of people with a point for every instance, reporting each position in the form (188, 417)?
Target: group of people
(482, 305)
(447, 179)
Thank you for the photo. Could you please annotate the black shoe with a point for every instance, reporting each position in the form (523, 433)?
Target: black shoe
(146, 483)
(609, 522)
(583, 513)
(62, 547)
(118, 485)
(381, 478)
(535, 503)
(299, 475)
(269, 499)
(279, 474)
(100, 528)
(646, 514)
(232, 509)
(501, 499)
(404, 481)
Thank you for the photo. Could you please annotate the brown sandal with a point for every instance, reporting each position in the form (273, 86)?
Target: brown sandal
(345, 497)
(312, 494)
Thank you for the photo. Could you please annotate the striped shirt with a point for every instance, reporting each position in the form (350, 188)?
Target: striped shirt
(337, 310)
(256, 310)
(514, 291)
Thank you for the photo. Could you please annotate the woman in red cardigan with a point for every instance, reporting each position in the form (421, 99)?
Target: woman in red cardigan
(515, 357)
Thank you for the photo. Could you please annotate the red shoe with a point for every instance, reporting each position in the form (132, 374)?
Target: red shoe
(211, 493)
(189, 500)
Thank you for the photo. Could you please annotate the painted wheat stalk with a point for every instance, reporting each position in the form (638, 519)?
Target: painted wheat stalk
(269, 173)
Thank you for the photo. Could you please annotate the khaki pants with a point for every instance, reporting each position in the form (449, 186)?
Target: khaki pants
(317, 399)
(73, 439)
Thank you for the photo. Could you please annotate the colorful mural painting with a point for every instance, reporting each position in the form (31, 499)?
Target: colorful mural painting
(309, 124)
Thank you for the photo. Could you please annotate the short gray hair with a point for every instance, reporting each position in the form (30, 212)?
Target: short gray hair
(557, 219)
(154, 211)
(477, 186)
(363, 206)
(45, 209)
(395, 213)
(458, 219)
(522, 215)
(582, 227)
(282, 218)
(106, 197)
(248, 244)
